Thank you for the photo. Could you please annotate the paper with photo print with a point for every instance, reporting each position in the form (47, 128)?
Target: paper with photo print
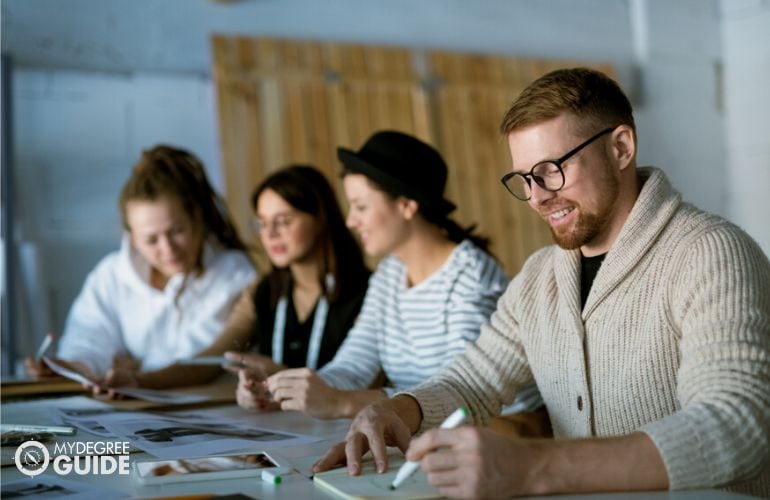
(88, 418)
(166, 436)
(91, 419)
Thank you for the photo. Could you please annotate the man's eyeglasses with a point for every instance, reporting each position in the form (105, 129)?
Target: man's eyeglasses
(279, 224)
(548, 174)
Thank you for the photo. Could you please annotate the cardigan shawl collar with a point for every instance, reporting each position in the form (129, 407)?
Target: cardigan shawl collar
(656, 204)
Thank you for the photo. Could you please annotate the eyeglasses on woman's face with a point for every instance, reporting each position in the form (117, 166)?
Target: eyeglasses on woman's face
(548, 174)
(278, 224)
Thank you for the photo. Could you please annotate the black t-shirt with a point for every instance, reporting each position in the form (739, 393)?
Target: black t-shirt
(589, 266)
(340, 319)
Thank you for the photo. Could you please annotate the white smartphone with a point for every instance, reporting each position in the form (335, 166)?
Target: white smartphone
(208, 468)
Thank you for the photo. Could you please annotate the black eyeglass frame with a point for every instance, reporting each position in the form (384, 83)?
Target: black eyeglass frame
(528, 177)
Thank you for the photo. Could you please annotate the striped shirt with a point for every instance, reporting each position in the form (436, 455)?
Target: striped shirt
(411, 333)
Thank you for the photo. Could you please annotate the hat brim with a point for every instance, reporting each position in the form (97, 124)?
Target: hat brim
(354, 163)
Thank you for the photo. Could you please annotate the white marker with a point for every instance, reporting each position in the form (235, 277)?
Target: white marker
(47, 341)
(409, 468)
(271, 477)
(54, 429)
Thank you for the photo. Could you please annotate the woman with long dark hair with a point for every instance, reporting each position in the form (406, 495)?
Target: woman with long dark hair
(299, 313)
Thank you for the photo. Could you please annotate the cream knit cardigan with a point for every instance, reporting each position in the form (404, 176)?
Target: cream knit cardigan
(673, 341)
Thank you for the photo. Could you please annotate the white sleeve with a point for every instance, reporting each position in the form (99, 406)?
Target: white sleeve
(92, 333)
(214, 303)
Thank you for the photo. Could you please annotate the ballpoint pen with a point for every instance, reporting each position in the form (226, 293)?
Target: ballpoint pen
(409, 468)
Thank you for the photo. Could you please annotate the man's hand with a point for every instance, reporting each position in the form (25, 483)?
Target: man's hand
(472, 462)
(374, 428)
(475, 462)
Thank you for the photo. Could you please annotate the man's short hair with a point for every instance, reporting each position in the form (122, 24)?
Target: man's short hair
(592, 97)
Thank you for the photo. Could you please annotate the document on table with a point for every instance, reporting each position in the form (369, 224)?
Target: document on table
(191, 434)
(372, 485)
(154, 396)
(90, 419)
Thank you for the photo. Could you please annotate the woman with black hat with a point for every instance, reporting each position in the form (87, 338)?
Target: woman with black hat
(427, 299)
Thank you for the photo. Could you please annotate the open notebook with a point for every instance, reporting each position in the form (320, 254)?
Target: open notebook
(372, 485)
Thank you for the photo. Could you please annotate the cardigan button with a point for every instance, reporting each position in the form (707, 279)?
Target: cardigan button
(580, 403)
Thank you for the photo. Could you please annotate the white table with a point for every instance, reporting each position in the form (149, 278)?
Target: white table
(295, 485)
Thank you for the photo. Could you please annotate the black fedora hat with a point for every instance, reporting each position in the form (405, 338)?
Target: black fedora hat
(402, 165)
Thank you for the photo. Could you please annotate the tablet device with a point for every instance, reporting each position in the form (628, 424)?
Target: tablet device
(207, 468)
(206, 361)
(211, 361)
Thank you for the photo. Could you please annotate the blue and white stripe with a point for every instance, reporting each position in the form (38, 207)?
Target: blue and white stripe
(411, 333)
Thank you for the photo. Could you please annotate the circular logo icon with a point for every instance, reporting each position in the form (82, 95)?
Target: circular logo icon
(32, 458)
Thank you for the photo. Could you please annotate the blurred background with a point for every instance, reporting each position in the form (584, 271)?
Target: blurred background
(249, 85)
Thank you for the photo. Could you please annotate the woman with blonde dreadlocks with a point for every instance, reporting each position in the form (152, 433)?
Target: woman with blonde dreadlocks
(167, 293)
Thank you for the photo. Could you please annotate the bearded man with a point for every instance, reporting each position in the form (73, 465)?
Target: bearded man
(646, 328)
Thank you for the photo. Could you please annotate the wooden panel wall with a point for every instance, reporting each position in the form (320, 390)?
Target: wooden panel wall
(289, 101)
(471, 94)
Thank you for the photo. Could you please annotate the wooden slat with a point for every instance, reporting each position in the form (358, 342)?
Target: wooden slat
(273, 119)
(295, 131)
(292, 101)
(322, 149)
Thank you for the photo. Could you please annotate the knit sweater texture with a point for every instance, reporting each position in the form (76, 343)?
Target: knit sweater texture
(673, 341)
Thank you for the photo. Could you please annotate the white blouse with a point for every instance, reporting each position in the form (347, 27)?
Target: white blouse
(119, 314)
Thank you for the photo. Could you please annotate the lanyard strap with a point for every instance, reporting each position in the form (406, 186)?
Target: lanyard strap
(319, 322)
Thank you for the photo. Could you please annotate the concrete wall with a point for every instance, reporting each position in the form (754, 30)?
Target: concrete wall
(77, 135)
(746, 48)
